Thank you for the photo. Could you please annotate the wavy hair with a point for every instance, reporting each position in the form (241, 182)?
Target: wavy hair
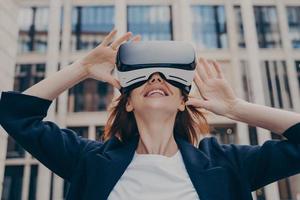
(190, 124)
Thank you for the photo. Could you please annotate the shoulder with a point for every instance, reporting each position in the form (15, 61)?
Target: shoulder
(101, 146)
(211, 144)
(223, 154)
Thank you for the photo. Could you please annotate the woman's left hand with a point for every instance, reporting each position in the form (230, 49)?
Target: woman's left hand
(217, 95)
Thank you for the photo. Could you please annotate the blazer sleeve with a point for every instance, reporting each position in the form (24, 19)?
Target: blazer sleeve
(271, 161)
(59, 149)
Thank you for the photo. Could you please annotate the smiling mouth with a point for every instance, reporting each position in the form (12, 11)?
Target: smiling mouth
(156, 93)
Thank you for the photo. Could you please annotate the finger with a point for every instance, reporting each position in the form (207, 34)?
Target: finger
(218, 69)
(115, 83)
(119, 41)
(200, 70)
(199, 84)
(111, 80)
(106, 78)
(109, 37)
(198, 103)
(136, 38)
(206, 68)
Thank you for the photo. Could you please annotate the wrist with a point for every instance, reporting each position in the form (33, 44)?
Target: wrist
(235, 109)
(81, 69)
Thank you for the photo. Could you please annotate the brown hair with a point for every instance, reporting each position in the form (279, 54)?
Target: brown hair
(190, 124)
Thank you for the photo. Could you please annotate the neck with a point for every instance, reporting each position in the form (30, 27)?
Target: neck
(156, 135)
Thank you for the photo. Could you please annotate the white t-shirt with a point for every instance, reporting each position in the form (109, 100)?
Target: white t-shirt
(154, 176)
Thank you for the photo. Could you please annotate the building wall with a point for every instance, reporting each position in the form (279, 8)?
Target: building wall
(238, 63)
(8, 49)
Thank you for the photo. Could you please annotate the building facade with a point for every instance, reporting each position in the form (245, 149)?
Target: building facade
(8, 52)
(257, 43)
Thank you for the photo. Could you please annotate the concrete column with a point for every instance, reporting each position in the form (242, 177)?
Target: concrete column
(65, 56)
(57, 187)
(271, 190)
(26, 181)
(121, 26)
(287, 49)
(120, 16)
(63, 97)
(43, 182)
(185, 19)
(3, 147)
(92, 132)
(182, 20)
(242, 128)
(8, 52)
(44, 175)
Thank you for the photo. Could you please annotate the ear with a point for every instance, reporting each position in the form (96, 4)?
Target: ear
(129, 107)
(182, 105)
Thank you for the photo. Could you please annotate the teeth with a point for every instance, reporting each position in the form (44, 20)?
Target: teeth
(156, 91)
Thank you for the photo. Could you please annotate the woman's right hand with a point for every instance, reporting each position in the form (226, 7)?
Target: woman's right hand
(100, 62)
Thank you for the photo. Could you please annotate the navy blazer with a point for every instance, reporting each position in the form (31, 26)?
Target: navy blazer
(217, 171)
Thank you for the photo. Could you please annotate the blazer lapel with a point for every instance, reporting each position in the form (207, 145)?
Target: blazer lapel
(117, 158)
(209, 182)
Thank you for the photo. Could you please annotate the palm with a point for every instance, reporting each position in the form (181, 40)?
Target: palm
(216, 92)
(100, 62)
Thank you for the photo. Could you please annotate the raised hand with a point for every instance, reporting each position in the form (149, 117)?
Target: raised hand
(217, 95)
(100, 62)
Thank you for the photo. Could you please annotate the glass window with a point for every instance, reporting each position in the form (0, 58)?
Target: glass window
(285, 189)
(14, 150)
(99, 132)
(90, 95)
(27, 75)
(239, 26)
(209, 27)
(151, 22)
(57, 99)
(276, 84)
(13, 181)
(294, 25)
(297, 62)
(260, 193)
(51, 186)
(61, 28)
(253, 135)
(225, 133)
(90, 25)
(33, 32)
(248, 92)
(267, 27)
(33, 182)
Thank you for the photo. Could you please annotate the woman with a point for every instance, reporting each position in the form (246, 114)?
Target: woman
(159, 161)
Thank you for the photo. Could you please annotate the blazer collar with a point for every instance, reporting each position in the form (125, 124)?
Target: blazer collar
(209, 182)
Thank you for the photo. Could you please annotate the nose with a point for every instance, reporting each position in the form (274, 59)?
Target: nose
(156, 77)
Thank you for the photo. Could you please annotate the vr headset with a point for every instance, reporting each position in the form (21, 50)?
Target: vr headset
(137, 61)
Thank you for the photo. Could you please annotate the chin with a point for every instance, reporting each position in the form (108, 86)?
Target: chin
(159, 106)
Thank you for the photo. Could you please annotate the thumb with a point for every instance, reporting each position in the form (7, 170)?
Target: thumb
(115, 83)
(198, 103)
(109, 79)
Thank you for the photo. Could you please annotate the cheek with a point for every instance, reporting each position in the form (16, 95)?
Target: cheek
(135, 97)
(176, 93)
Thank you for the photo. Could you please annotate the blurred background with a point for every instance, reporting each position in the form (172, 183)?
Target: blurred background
(257, 43)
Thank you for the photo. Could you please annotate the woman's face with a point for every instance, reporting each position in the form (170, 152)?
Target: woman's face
(155, 94)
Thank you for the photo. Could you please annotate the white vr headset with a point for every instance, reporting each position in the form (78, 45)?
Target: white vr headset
(137, 61)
